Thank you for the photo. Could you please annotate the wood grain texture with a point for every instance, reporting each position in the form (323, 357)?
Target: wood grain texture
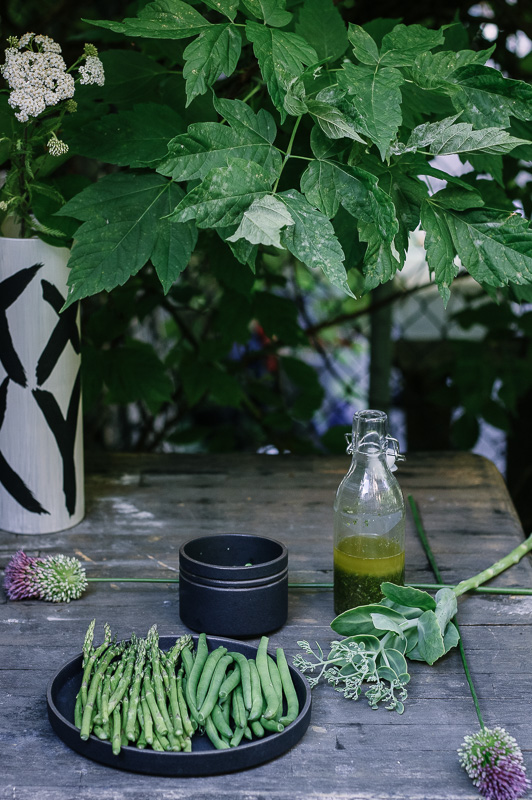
(139, 511)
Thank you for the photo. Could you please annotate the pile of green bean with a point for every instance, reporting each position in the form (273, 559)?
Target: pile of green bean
(135, 693)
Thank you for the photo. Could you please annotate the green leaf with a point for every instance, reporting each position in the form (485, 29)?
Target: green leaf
(322, 26)
(486, 98)
(430, 643)
(432, 70)
(446, 608)
(226, 7)
(134, 138)
(133, 372)
(329, 184)
(451, 637)
(281, 56)
(377, 98)
(447, 137)
(108, 250)
(383, 623)
(129, 77)
(359, 620)
(215, 51)
(207, 145)
(162, 19)
(332, 122)
(263, 221)
(439, 249)
(381, 259)
(397, 661)
(456, 197)
(312, 239)
(271, 11)
(174, 242)
(224, 194)
(495, 248)
(364, 46)
(405, 43)
(408, 596)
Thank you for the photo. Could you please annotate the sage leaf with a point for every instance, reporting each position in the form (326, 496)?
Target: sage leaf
(430, 642)
(263, 221)
(446, 607)
(359, 620)
(408, 596)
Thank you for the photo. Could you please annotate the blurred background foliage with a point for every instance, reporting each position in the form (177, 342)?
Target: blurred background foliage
(278, 361)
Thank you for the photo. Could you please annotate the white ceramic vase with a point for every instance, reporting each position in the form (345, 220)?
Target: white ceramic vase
(41, 438)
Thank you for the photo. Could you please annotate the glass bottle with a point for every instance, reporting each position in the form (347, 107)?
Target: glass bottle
(369, 516)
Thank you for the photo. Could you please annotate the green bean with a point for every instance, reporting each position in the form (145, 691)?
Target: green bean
(232, 680)
(237, 737)
(211, 697)
(257, 728)
(245, 678)
(212, 733)
(237, 707)
(187, 659)
(277, 685)
(271, 724)
(202, 652)
(268, 690)
(188, 724)
(100, 732)
(288, 688)
(206, 675)
(222, 726)
(256, 692)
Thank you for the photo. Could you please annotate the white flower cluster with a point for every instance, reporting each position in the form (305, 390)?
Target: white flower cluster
(38, 79)
(92, 71)
(56, 147)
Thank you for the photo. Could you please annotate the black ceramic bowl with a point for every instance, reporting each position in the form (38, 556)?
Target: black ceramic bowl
(233, 584)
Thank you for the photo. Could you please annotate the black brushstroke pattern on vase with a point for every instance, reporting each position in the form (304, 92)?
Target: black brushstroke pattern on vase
(10, 289)
(64, 431)
(65, 330)
(11, 481)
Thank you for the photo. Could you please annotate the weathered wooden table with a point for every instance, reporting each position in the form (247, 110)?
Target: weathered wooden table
(141, 508)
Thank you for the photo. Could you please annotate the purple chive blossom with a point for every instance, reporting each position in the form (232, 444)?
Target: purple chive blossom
(494, 762)
(21, 578)
(54, 578)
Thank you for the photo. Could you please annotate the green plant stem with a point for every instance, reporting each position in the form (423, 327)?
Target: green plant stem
(288, 151)
(481, 577)
(499, 566)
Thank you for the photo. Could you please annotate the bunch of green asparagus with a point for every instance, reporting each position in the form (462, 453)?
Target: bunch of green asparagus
(135, 693)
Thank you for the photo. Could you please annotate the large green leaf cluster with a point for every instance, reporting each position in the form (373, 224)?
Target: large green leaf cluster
(267, 124)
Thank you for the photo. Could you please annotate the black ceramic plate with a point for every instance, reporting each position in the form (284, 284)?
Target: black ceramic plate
(204, 759)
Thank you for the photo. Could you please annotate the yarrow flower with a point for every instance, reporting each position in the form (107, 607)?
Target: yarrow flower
(56, 147)
(37, 78)
(92, 71)
(493, 760)
(53, 578)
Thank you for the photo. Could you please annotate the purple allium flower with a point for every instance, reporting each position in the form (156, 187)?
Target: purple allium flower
(54, 578)
(20, 579)
(493, 760)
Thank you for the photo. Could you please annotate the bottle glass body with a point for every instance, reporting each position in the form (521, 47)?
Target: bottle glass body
(369, 519)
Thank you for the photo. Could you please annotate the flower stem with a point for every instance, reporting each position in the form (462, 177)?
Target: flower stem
(476, 580)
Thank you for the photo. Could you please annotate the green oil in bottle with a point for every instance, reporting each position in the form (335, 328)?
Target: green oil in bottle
(361, 564)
